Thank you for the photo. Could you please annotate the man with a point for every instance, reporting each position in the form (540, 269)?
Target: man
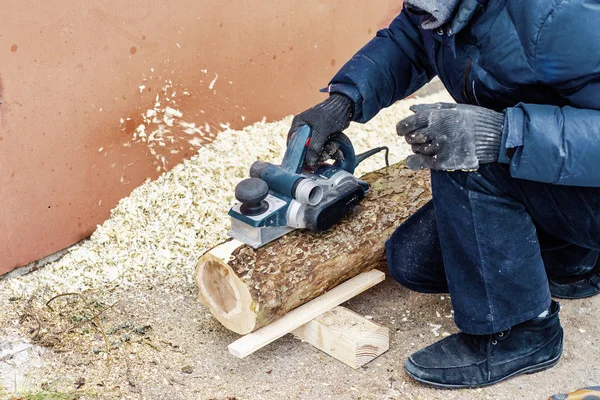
(515, 175)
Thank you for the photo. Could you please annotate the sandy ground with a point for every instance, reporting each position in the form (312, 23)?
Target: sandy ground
(169, 347)
(163, 344)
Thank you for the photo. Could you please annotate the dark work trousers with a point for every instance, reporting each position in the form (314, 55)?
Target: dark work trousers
(492, 241)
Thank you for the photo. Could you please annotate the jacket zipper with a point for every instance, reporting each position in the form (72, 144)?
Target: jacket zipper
(466, 91)
(442, 67)
(440, 53)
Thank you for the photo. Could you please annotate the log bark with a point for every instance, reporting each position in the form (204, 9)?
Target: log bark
(246, 289)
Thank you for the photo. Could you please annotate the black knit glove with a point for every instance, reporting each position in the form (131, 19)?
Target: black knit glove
(452, 136)
(326, 118)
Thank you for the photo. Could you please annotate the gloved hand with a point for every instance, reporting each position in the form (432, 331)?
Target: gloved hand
(326, 118)
(452, 137)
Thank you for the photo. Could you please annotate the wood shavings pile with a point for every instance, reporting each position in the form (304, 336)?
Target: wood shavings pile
(158, 233)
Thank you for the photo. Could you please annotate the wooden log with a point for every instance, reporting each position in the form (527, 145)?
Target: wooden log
(246, 289)
(305, 313)
(346, 336)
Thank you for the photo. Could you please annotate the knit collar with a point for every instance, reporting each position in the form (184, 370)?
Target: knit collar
(463, 11)
(437, 12)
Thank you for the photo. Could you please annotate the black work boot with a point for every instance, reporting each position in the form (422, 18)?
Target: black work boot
(462, 360)
(576, 286)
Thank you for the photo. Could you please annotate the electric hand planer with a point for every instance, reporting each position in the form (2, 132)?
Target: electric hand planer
(277, 199)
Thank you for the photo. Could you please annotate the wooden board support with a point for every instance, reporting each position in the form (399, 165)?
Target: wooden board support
(305, 313)
(346, 336)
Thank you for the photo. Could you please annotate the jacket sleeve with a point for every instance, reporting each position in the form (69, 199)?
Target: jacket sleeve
(561, 145)
(393, 65)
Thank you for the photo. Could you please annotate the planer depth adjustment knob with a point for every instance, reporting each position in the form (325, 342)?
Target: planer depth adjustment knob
(252, 193)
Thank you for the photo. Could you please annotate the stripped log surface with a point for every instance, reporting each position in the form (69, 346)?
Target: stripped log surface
(246, 289)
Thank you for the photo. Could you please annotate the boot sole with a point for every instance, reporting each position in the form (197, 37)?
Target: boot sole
(558, 296)
(588, 278)
(528, 370)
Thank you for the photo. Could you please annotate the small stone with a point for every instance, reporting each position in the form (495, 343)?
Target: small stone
(188, 369)
(142, 330)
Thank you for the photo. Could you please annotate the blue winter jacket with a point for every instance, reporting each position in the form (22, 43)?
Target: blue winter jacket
(537, 60)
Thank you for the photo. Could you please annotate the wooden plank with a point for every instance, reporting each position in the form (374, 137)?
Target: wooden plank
(346, 336)
(294, 319)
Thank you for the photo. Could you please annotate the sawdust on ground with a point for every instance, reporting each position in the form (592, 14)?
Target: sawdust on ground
(133, 328)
